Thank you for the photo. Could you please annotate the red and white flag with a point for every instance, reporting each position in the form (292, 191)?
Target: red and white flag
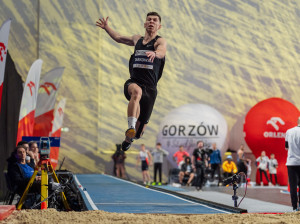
(4, 33)
(56, 130)
(44, 112)
(29, 98)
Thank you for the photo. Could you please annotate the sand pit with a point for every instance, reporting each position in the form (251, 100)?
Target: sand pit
(52, 216)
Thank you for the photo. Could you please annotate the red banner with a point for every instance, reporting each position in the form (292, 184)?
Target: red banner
(265, 127)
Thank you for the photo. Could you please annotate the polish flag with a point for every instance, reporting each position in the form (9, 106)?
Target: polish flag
(56, 130)
(29, 98)
(44, 112)
(4, 33)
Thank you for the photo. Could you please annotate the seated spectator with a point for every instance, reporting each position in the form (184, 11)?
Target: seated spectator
(20, 171)
(180, 154)
(229, 167)
(29, 154)
(33, 147)
(181, 162)
(186, 171)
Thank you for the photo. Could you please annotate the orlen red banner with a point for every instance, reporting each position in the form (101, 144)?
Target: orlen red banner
(265, 127)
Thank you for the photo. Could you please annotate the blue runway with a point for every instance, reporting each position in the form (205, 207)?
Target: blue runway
(107, 193)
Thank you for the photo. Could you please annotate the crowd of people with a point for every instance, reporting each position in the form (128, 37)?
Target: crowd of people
(20, 168)
(205, 163)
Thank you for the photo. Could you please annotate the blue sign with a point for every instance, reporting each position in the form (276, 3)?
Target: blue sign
(54, 141)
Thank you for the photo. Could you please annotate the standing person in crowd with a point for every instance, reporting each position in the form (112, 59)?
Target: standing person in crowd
(200, 163)
(241, 161)
(145, 71)
(178, 156)
(145, 158)
(215, 162)
(33, 147)
(119, 162)
(186, 171)
(158, 157)
(273, 165)
(292, 144)
(263, 161)
(229, 167)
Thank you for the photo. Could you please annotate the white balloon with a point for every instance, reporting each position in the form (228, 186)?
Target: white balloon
(188, 124)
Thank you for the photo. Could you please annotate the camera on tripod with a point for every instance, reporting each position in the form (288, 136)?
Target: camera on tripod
(235, 179)
(44, 147)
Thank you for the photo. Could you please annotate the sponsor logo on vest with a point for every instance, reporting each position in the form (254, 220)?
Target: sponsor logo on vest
(2, 49)
(275, 122)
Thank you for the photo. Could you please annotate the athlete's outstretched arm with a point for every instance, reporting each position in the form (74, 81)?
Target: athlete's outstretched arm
(131, 41)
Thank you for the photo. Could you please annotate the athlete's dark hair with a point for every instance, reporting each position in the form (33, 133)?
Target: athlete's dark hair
(154, 14)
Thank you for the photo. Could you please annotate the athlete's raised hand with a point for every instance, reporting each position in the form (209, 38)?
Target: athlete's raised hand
(102, 23)
(151, 55)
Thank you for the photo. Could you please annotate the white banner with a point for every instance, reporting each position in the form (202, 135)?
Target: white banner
(4, 33)
(58, 117)
(30, 92)
(49, 85)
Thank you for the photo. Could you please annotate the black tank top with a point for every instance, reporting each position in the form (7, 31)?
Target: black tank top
(141, 68)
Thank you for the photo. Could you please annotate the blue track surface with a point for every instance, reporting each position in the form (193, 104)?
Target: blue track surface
(110, 194)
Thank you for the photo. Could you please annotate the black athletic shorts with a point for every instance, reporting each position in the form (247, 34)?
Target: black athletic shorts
(147, 101)
(144, 165)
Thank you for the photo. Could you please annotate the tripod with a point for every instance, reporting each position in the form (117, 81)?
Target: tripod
(44, 165)
(234, 196)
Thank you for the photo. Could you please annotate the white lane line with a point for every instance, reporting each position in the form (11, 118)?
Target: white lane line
(88, 197)
(168, 194)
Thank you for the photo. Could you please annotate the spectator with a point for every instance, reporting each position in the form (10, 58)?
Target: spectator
(263, 161)
(179, 155)
(273, 165)
(119, 162)
(200, 163)
(29, 154)
(158, 156)
(181, 162)
(241, 161)
(229, 167)
(20, 172)
(186, 171)
(33, 147)
(292, 144)
(215, 162)
(145, 158)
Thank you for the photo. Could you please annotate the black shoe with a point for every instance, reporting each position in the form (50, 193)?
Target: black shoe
(125, 145)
